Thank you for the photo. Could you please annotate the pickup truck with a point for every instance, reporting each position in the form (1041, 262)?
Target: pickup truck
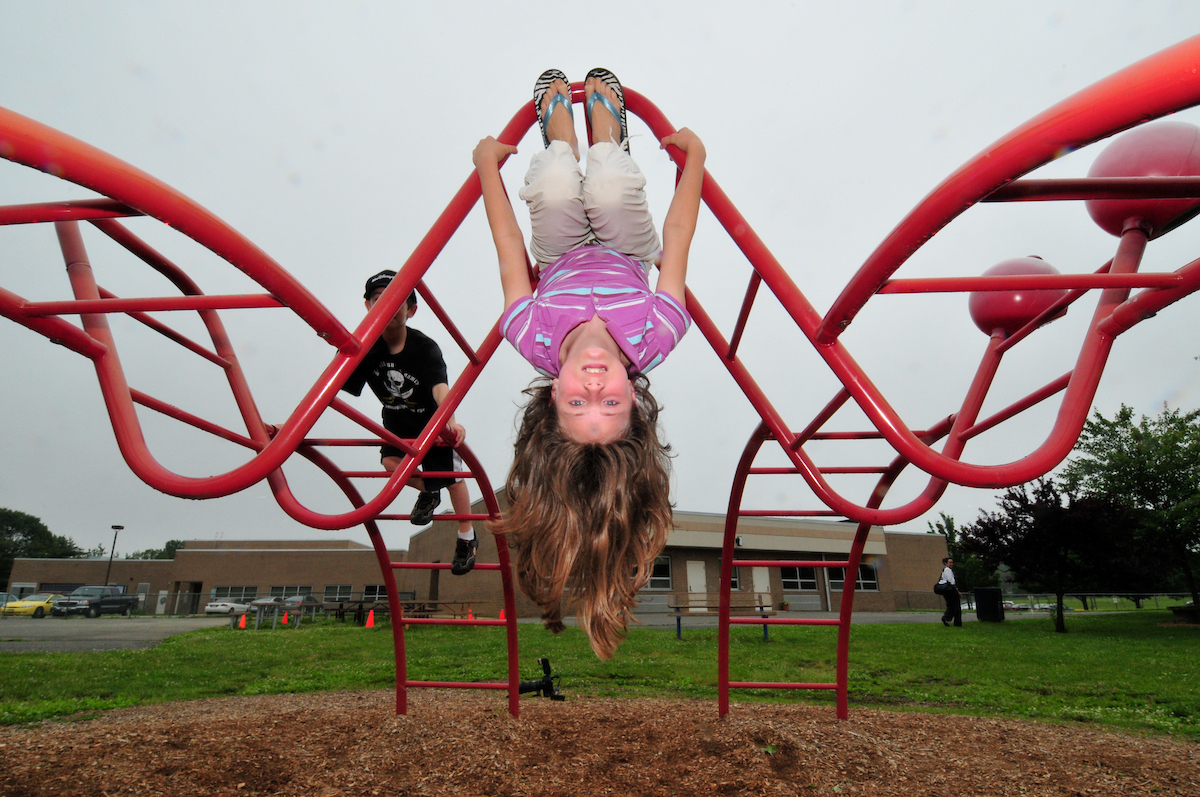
(95, 601)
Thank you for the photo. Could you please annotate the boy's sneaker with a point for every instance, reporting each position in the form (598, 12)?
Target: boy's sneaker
(422, 511)
(464, 555)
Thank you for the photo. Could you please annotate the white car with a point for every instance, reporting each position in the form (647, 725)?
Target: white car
(226, 607)
(291, 602)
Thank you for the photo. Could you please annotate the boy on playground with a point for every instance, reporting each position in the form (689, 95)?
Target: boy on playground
(406, 371)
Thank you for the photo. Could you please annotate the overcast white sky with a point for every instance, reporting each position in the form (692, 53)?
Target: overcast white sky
(332, 135)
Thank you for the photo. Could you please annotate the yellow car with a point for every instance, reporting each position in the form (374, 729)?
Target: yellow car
(30, 606)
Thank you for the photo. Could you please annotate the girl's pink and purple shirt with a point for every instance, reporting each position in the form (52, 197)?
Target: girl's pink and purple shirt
(594, 281)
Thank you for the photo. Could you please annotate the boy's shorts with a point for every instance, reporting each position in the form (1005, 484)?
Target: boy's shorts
(440, 458)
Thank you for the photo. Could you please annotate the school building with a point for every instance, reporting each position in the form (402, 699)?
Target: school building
(897, 571)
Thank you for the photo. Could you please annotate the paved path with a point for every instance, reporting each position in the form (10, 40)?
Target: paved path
(83, 634)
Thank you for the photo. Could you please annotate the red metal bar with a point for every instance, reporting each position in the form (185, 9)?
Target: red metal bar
(437, 309)
(849, 584)
(76, 209)
(1031, 282)
(736, 492)
(382, 557)
(194, 421)
(789, 563)
(372, 426)
(445, 517)
(1034, 398)
(174, 336)
(743, 315)
(1095, 188)
(792, 471)
(56, 330)
(830, 409)
(789, 513)
(783, 621)
(451, 621)
(1146, 303)
(510, 621)
(776, 685)
(150, 304)
(438, 565)
(458, 685)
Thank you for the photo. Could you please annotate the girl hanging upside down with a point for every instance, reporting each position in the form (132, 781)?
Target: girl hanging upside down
(590, 479)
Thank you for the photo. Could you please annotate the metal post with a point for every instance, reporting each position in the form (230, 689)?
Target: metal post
(116, 531)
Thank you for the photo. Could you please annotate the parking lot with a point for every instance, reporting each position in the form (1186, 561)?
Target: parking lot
(81, 635)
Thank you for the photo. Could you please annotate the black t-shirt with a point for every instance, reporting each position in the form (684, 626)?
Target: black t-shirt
(403, 381)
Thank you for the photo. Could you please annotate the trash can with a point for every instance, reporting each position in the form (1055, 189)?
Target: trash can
(989, 606)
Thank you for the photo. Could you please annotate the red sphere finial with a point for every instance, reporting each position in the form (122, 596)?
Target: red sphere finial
(1008, 311)
(1163, 149)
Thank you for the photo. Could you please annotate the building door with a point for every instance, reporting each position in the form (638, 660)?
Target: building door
(760, 580)
(697, 586)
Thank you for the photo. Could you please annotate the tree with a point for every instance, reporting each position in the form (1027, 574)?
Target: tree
(970, 571)
(1152, 466)
(26, 536)
(165, 552)
(1054, 542)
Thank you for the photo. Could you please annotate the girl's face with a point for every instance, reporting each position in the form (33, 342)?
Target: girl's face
(593, 397)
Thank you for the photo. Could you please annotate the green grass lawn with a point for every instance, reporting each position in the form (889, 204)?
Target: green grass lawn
(1133, 670)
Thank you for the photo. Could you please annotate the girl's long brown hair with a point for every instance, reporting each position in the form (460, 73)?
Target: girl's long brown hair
(587, 520)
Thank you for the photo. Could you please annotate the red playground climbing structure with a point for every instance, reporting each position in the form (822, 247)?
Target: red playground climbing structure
(1144, 184)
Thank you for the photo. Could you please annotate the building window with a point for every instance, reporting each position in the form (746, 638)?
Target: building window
(799, 579)
(337, 592)
(375, 592)
(234, 593)
(867, 580)
(660, 576)
(288, 591)
(735, 580)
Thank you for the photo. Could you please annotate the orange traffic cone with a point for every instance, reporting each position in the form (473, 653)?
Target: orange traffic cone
(285, 618)
(371, 619)
(470, 614)
(502, 614)
(242, 622)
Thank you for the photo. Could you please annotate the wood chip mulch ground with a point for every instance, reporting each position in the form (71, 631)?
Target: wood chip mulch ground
(465, 743)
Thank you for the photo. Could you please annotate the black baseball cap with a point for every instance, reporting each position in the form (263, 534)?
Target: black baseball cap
(380, 280)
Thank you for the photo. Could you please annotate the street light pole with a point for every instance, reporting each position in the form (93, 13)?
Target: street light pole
(116, 531)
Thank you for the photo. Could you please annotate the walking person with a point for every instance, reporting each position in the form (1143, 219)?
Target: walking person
(949, 591)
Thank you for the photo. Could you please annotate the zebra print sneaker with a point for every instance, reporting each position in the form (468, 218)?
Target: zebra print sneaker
(618, 113)
(540, 87)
